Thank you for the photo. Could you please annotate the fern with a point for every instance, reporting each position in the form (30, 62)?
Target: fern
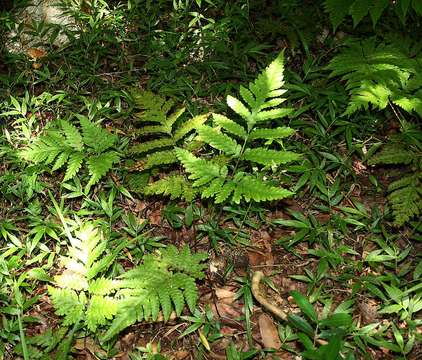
(238, 142)
(377, 74)
(405, 194)
(160, 131)
(164, 282)
(67, 146)
(359, 9)
(79, 295)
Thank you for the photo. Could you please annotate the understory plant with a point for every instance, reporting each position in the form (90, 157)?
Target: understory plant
(161, 131)
(379, 73)
(64, 145)
(405, 193)
(249, 146)
(83, 293)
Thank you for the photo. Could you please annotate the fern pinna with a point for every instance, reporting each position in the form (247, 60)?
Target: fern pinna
(359, 9)
(379, 73)
(404, 194)
(165, 281)
(232, 175)
(161, 130)
(66, 145)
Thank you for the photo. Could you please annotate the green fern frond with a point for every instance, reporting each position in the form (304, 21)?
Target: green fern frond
(406, 198)
(359, 9)
(377, 73)
(189, 126)
(251, 188)
(68, 304)
(99, 165)
(74, 165)
(175, 186)
(73, 137)
(152, 145)
(66, 147)
(101, 286)
(155, 108)
(392, 154)
(219, 141)
(96, 137)
(164, 281)
(158, 158)
(166, 129)
(271, 134)
(201, 170)
(230, 126)
(268, 157)
(100, 309)
(260, 103)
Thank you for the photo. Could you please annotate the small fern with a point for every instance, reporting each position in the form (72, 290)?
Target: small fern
(359, 9)
(67, 146)
(160, 132)
(239, 142)
(82, 294)
(377, 74)
(405, 194)
(165, 281)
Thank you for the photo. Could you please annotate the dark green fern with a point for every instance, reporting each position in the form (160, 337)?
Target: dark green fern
(378, 74)
(404, 194)
(359, 9)
(160, 130)
(164, 282)
(240, 143)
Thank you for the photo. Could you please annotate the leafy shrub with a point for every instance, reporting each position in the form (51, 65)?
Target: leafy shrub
(238, 143)
(68, 146)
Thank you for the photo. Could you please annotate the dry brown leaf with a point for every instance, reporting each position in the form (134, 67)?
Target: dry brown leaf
(36, 53)
(225, 295)
(36, 65)
(269, 333)
(181, 354)
(155, 217)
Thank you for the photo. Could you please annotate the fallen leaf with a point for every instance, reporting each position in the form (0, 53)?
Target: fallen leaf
(269, 333)
(181, 354)
(36, 53)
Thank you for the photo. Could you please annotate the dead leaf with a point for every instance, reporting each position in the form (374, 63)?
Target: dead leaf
(36, 65)
(225, 295)
(181, 354)
(269, 333)
(155, 217)
(36, 53)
